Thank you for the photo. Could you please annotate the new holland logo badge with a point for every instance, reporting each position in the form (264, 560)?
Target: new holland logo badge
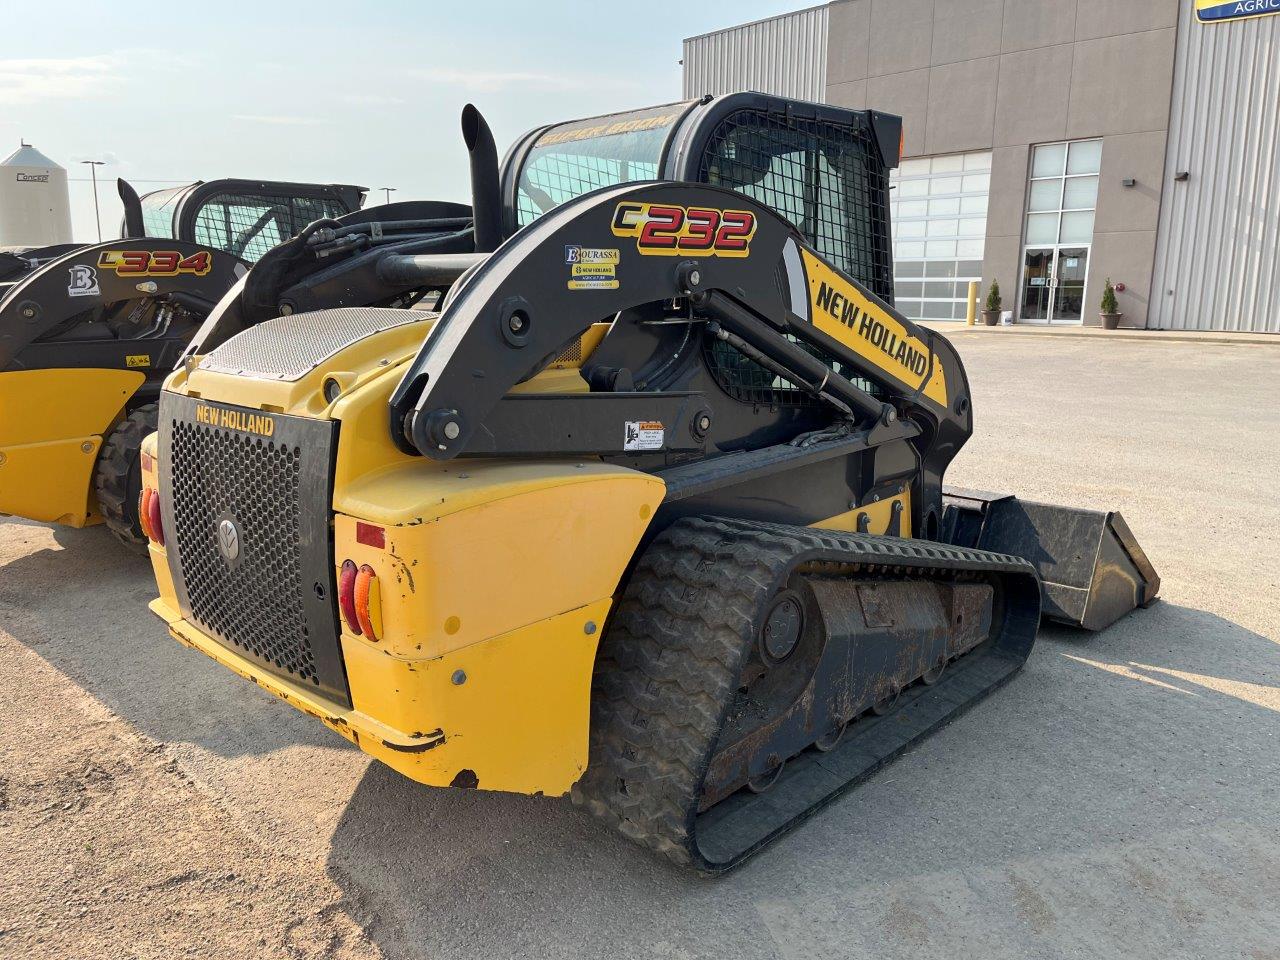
(229, 541)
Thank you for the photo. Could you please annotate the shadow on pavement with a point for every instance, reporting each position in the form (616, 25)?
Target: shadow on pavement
(1103, 739)
(79, 599)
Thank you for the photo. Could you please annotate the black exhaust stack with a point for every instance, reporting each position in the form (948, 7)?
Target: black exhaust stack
(486, 196)
(133, 226)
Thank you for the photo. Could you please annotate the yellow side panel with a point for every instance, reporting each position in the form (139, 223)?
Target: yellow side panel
(843, 313)
(474, 553)
(518, 720)
(51, 426)
(878, 516)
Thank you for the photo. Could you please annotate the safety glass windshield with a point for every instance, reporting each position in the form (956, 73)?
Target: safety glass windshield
(574, 158)
(157, 211)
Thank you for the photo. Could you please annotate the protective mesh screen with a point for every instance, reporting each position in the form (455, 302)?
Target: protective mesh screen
(247, 226)
(826, 178)
(829, 181)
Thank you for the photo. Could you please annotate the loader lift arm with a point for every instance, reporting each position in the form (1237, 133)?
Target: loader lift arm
(880, 377)
(517, 311)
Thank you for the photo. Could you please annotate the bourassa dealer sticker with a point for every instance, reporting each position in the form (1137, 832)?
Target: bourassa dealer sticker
(643, 435)
(592, 268)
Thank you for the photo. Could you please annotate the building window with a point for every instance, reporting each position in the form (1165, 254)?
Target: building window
(1063, 192)
(938, 206)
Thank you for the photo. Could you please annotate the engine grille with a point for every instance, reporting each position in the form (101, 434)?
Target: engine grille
(255, 604)
(288, 348)
(271, 596)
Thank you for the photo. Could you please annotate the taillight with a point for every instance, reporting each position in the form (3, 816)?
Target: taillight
(347, 596)
(149, 516)
(360, 600)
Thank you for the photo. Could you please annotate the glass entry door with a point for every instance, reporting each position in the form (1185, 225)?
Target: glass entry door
(1053, 284)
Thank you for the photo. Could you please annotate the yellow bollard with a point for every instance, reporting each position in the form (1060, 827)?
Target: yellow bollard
(973, 303)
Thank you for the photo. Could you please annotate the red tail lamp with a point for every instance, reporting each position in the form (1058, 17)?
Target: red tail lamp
(149, 516)
(359, 599)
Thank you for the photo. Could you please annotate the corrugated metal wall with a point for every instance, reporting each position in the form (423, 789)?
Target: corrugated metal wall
(1217, 265)
(786, 55)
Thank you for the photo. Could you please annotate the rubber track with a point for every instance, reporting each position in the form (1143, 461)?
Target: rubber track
(668, 666)
(119, 464)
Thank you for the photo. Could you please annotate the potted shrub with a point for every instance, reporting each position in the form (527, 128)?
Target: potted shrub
(991, 315)
(1110, 311)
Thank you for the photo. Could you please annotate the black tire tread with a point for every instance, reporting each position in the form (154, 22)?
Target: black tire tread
(669, 663)
(118, 461)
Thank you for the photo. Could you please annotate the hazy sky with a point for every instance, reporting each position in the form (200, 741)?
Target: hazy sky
(324, 91)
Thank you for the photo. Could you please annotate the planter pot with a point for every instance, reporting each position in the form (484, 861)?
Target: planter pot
(990, 317)
(1110, 320)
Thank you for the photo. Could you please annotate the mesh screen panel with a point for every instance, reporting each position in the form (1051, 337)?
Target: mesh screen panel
(828, 180)
(247, 225)
(256, 604)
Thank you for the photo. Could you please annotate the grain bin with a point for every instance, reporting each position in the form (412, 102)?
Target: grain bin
(35, 210)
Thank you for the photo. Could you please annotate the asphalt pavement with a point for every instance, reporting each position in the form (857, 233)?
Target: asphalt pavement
(1118, 798)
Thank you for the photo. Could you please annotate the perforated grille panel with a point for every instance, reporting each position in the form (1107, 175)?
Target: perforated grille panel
(289, 348)
(266, 591)
(254, 604)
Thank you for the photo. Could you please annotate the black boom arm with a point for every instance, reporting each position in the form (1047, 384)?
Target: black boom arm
(739, 267)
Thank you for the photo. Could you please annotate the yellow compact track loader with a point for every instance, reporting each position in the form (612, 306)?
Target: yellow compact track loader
(650, 512)
(88, 333)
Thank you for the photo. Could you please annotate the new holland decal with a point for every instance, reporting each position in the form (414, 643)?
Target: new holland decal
(155, 263)
(245, 421)
(667, 230)
(843, 312)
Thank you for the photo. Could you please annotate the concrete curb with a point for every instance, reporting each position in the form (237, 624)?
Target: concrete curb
(1209, 337)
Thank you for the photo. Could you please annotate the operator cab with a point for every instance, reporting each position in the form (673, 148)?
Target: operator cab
(822, 168)
(244, 218)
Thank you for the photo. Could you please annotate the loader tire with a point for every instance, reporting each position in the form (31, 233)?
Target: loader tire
(117, 478)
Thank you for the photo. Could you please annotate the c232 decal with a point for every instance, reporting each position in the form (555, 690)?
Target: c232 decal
(668, 230)
(155, 263)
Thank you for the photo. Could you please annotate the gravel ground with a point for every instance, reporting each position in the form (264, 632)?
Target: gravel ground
(1118, 798)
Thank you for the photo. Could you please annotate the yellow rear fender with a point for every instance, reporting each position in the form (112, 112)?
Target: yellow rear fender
(486, 635)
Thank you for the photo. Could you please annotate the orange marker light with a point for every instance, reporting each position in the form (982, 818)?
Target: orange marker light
(368, 602)
(144, 498)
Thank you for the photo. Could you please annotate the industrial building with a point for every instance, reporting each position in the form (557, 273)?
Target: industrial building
(1052, 144)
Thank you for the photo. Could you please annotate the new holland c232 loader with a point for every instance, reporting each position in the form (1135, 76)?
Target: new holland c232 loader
(650, 512)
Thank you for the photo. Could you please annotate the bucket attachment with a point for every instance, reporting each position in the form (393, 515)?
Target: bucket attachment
(1092, 570)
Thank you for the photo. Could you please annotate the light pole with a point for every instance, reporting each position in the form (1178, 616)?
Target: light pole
(93, 167)
(388, 191)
